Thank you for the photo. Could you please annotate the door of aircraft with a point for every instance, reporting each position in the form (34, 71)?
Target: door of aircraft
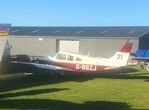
(69, 46)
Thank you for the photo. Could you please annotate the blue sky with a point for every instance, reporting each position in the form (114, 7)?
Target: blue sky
(75, 12)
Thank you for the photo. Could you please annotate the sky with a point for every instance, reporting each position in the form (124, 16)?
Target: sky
(75, 12)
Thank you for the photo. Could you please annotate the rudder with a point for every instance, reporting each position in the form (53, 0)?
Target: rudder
(121, 57)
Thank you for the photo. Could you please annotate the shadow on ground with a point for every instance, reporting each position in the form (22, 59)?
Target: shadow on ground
(62, 105)
(37, 80)
(56, 104)
(31, 92)
(31, 81)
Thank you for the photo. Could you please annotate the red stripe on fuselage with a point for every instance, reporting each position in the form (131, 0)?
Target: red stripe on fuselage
(82, 67)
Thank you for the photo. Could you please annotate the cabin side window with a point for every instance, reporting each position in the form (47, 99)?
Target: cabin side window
(70, 58)
(61, 56)
(78, 59)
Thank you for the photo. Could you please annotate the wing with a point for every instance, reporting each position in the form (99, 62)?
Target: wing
(43, 66)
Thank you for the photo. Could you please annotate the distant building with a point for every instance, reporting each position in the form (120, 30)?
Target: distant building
(93, 41)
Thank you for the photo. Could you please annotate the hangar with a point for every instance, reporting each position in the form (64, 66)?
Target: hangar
(93, 41)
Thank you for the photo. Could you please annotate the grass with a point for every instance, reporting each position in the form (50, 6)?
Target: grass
(104, 91)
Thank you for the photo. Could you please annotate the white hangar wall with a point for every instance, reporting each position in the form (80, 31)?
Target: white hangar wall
(104, 47)
(32, 46)
(97, 47)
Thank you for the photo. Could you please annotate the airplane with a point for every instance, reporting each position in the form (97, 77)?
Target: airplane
(81, 63)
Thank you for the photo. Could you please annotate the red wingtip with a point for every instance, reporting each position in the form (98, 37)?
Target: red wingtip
(126, 47)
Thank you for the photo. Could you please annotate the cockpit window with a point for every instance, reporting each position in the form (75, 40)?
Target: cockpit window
(78, 59)
(70, 58)
(61, 56)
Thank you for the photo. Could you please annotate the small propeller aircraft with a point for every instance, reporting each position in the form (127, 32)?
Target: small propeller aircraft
(81, 63)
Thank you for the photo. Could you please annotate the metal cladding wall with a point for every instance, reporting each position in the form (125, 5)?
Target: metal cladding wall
(32, 46)
(144, 42)
(104, 46)
(47, 46)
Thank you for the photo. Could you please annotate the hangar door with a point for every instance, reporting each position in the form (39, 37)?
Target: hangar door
(69, 46)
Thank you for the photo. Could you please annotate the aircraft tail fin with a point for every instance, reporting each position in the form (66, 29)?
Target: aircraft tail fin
(121, 57)
(4, 32)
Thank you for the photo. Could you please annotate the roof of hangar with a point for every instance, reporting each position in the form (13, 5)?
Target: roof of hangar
(109, 31)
